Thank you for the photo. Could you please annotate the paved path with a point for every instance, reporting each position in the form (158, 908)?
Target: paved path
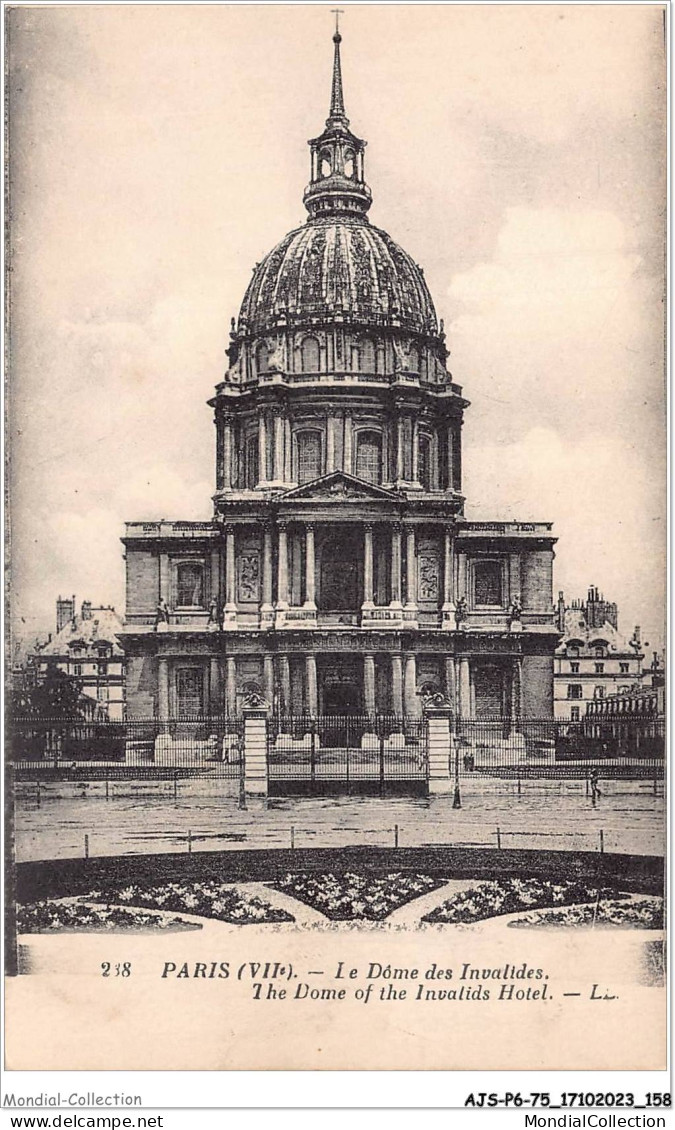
(545, 815)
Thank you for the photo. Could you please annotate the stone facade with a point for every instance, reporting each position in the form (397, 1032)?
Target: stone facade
(593, 660)
(86, 647)
(339, 573)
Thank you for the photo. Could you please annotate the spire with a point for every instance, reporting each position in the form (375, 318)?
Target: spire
(337, 183)
(337, 102)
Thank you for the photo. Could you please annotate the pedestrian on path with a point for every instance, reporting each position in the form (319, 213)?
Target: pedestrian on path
(594, 778)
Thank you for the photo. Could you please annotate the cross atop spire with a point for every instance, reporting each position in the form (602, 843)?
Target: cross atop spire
(337, 183)
(337, 103)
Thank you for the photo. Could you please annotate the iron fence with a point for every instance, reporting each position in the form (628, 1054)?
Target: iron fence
(144, 748)
(351, 753)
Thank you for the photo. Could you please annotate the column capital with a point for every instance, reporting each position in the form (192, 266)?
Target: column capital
(282, 525)
(229, 527)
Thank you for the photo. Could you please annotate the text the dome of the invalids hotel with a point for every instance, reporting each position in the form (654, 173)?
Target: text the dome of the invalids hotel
(338, 573)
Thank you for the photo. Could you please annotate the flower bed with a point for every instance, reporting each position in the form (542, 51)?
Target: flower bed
(642, 914)
(506, 896)
(51, 917)
(350, 896)
(207, 900)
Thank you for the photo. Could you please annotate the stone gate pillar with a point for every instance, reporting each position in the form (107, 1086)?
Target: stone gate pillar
(255, 750)
(440, 749)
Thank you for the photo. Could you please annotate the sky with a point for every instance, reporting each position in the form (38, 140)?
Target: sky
(157, 153)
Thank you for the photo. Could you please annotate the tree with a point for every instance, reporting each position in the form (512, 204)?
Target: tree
(55, 696)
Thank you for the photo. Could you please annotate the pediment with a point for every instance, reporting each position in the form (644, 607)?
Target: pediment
(339, 485)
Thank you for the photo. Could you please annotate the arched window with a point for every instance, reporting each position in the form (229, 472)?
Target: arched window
(325, 163)
(189, 585)
(369, 457)
(366, 355)
(308, 456)
(414, 359)
(262, 358)
(310, 355)
(348, 166)
(424, 468)
(251, 462)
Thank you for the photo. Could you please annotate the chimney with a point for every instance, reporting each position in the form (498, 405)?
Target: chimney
(86, 610)
(65, 611)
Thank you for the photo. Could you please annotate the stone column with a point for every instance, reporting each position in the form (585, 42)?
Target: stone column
(278, 472)
(369, 685)
(517, 690)
(262, 448)
(464, 688)
(163, 705)
(165, 579)
(411, 567)
(230, 617)
(450, 686)
(411, 700)
(266, 609)
(461, 579)
(330, 444)
(415, 451)
(397, 685)
(282, 567)
(288, 466)
(255, 751)
(215, 688)
(285, 684)
(400, 454)
(311, 697)
(396, 566)
(227, 454)
(367, 567)
(451, 457)
(231, 686)
(310, 567)
(347, 446)
(514, 575)
(215, 574)
(268, 680)
(448, 611)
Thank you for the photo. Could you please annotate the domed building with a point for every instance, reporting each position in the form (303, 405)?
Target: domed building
(339, 575)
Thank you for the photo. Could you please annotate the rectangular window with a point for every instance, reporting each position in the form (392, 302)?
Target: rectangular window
(599, 668)
(574, 713)
(190, 691)
(624, 668)
(574, 668)
(488, 583)
(102, 693)
(599, 692)
(189, 588)
(574, 690)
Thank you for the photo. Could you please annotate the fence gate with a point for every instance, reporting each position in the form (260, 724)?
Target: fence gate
(347, 754)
